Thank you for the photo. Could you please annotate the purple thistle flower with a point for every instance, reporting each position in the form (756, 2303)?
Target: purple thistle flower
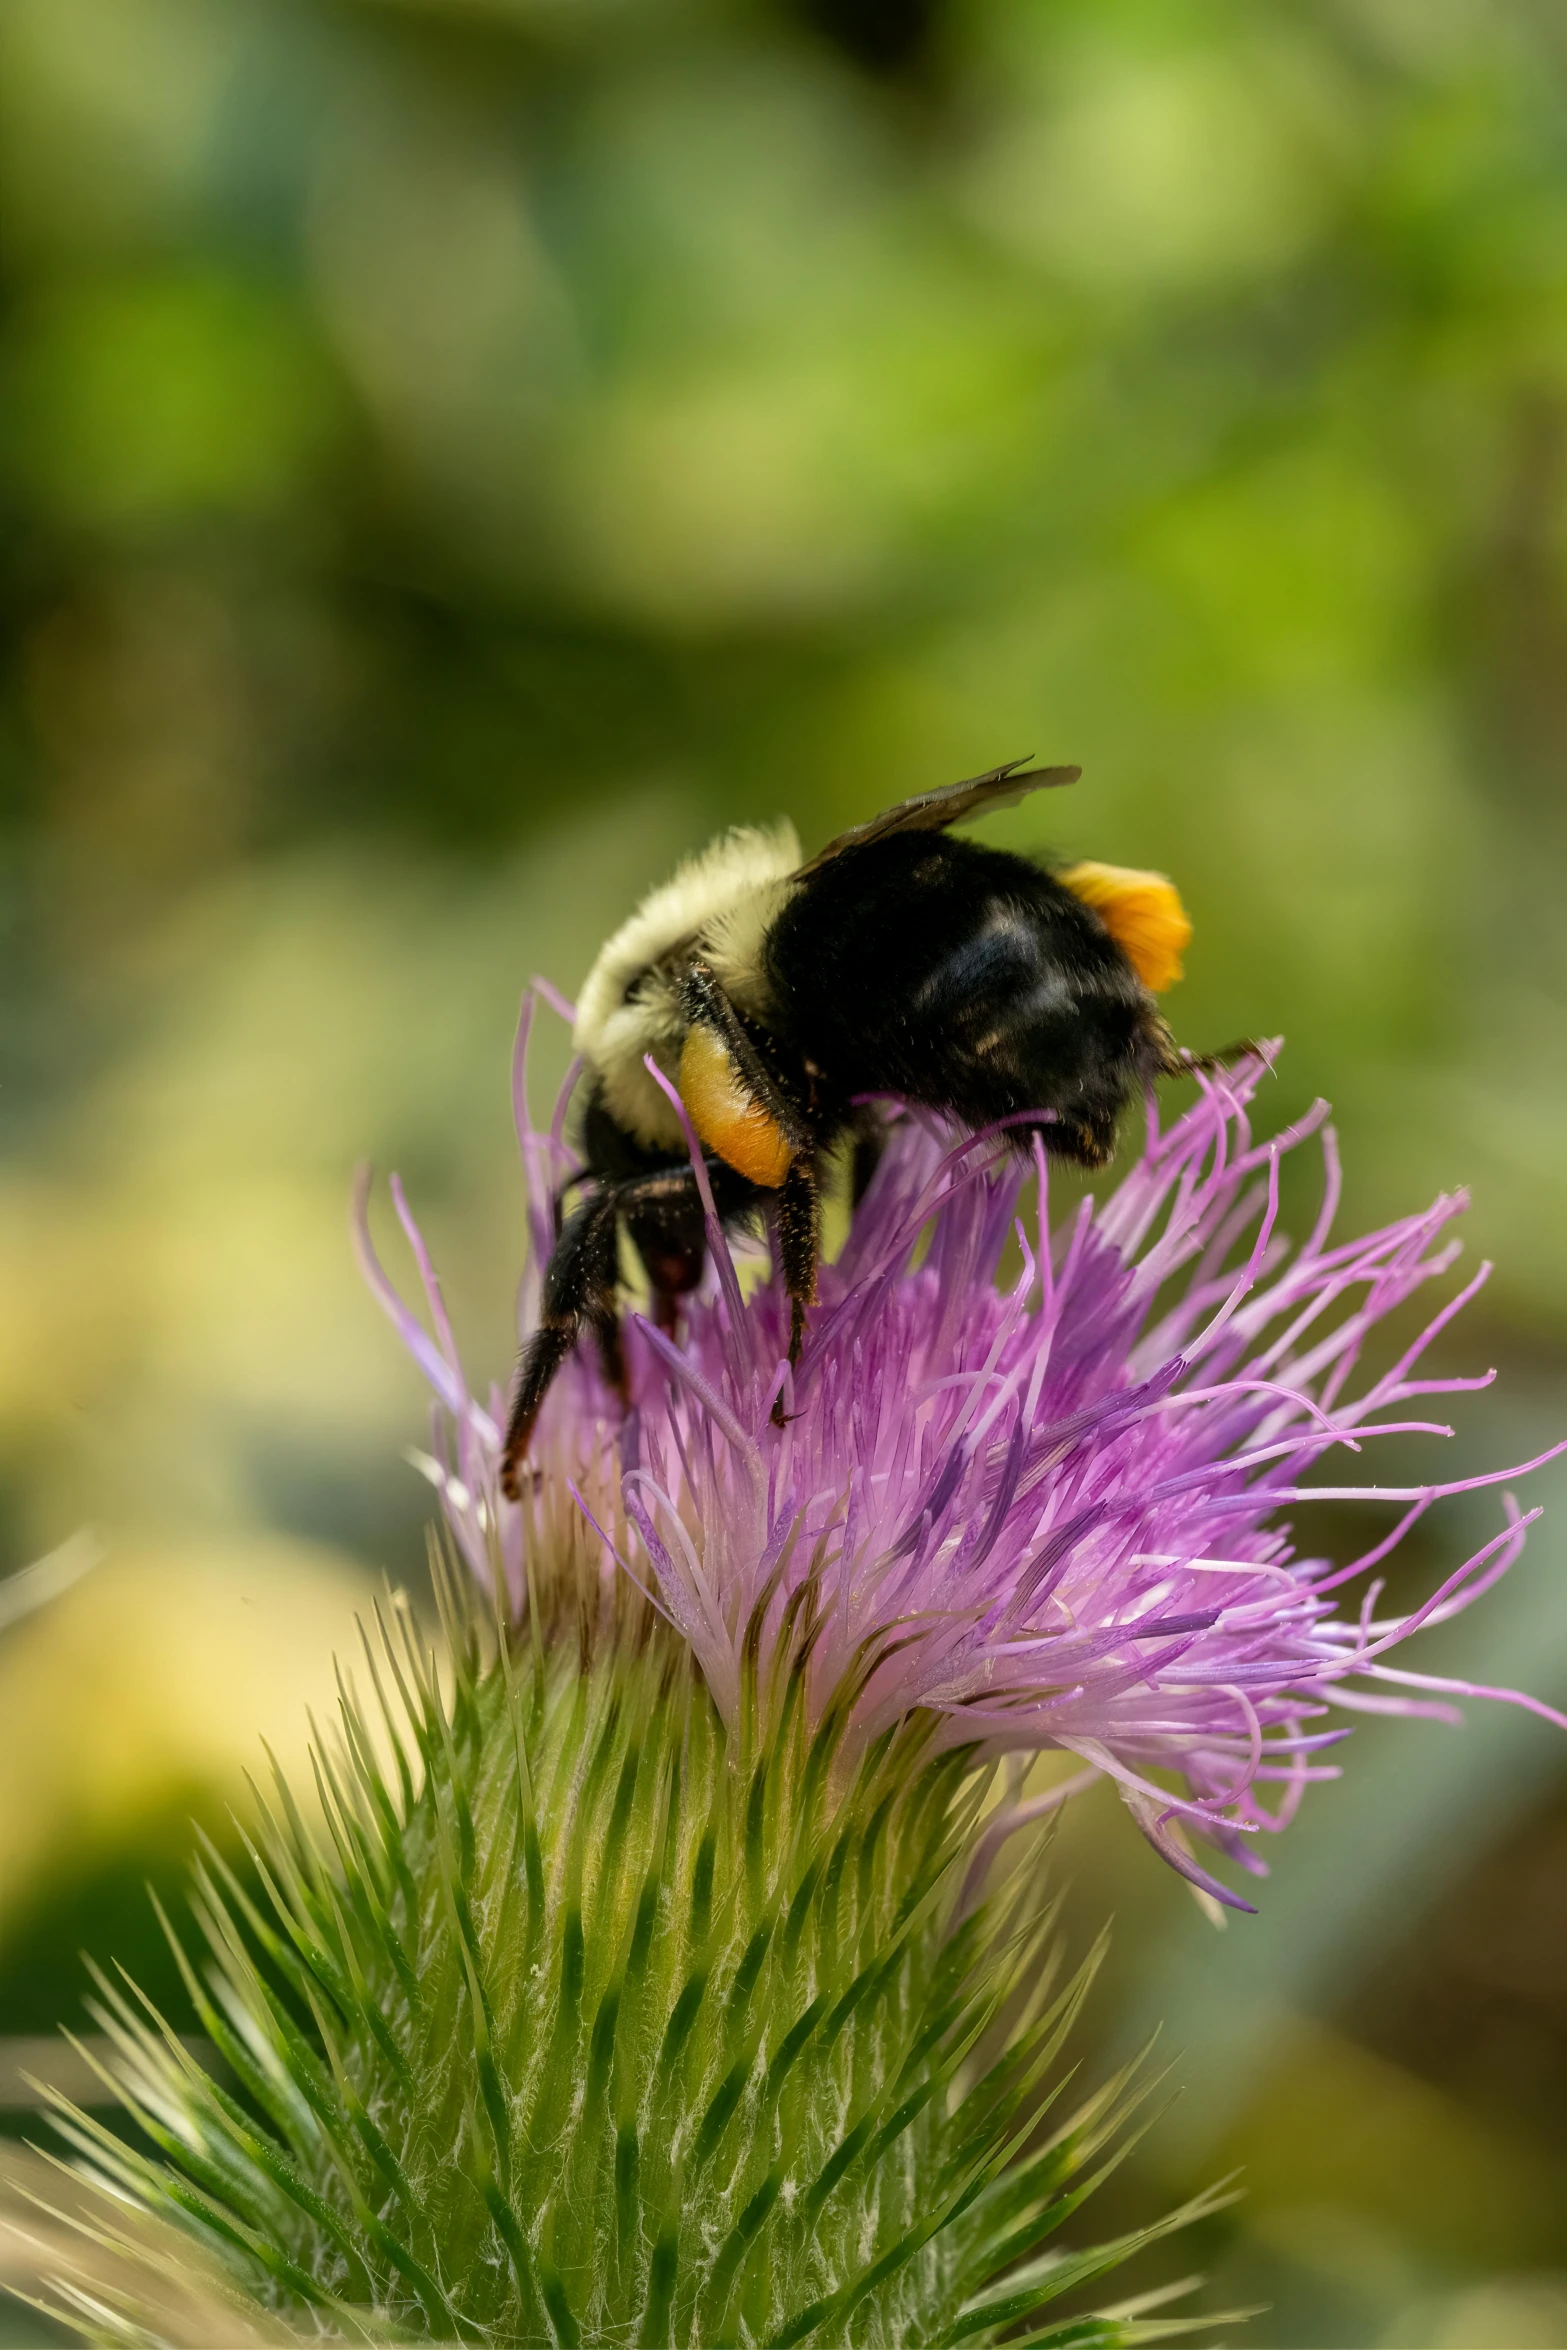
(1045, 1513)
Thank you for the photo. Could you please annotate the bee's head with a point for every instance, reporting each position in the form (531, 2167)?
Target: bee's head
(1081, 1068)
(1086, 1072)
(1118, 1043)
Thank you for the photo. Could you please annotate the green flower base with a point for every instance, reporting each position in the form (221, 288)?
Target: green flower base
(583, 2024)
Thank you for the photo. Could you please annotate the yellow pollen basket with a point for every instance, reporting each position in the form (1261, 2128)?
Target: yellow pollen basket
(1143, 914)
(724, 1114)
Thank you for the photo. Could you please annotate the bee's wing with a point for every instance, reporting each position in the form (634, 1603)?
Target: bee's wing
(932, 811)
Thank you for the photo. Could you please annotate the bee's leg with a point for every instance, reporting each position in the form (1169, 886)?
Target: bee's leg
(666, 1311)
(869, 1141)
(706, 1006)
(612, 1355)
(782, 1159)
(799, 1247)
(579, 1286)
(663, 1215)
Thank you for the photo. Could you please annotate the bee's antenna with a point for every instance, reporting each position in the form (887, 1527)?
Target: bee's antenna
(1169, 1059)
(1188, 1064)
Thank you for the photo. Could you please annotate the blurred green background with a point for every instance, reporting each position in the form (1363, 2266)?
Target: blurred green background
(455, 454)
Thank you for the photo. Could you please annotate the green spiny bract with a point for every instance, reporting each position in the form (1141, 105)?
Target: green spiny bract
(579, 2025)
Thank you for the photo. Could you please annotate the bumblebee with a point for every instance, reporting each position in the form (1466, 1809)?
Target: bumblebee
(780, 997)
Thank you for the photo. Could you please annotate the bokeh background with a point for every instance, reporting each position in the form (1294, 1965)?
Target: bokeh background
(454, 455)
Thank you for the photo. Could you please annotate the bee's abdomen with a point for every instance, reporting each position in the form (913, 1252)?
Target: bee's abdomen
(957, 976)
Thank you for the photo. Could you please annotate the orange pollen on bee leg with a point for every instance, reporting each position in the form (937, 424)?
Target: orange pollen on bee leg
(1143, 914)
(725, 1116)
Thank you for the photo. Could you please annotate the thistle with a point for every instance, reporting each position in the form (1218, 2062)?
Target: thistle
(674, 1964)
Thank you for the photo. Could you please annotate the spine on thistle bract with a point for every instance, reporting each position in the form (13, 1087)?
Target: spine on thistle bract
(670, 1963)
(584, 2023)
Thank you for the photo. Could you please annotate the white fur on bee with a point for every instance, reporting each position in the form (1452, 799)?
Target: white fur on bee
(721, 904)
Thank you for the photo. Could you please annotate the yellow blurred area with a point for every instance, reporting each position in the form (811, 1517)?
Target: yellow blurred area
(118, 1702)
(180, 1295)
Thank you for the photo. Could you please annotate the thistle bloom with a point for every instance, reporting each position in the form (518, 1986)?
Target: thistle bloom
(670, 1970)
(1042, 1511)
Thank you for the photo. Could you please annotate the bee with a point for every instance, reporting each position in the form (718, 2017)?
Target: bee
(779, 997)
